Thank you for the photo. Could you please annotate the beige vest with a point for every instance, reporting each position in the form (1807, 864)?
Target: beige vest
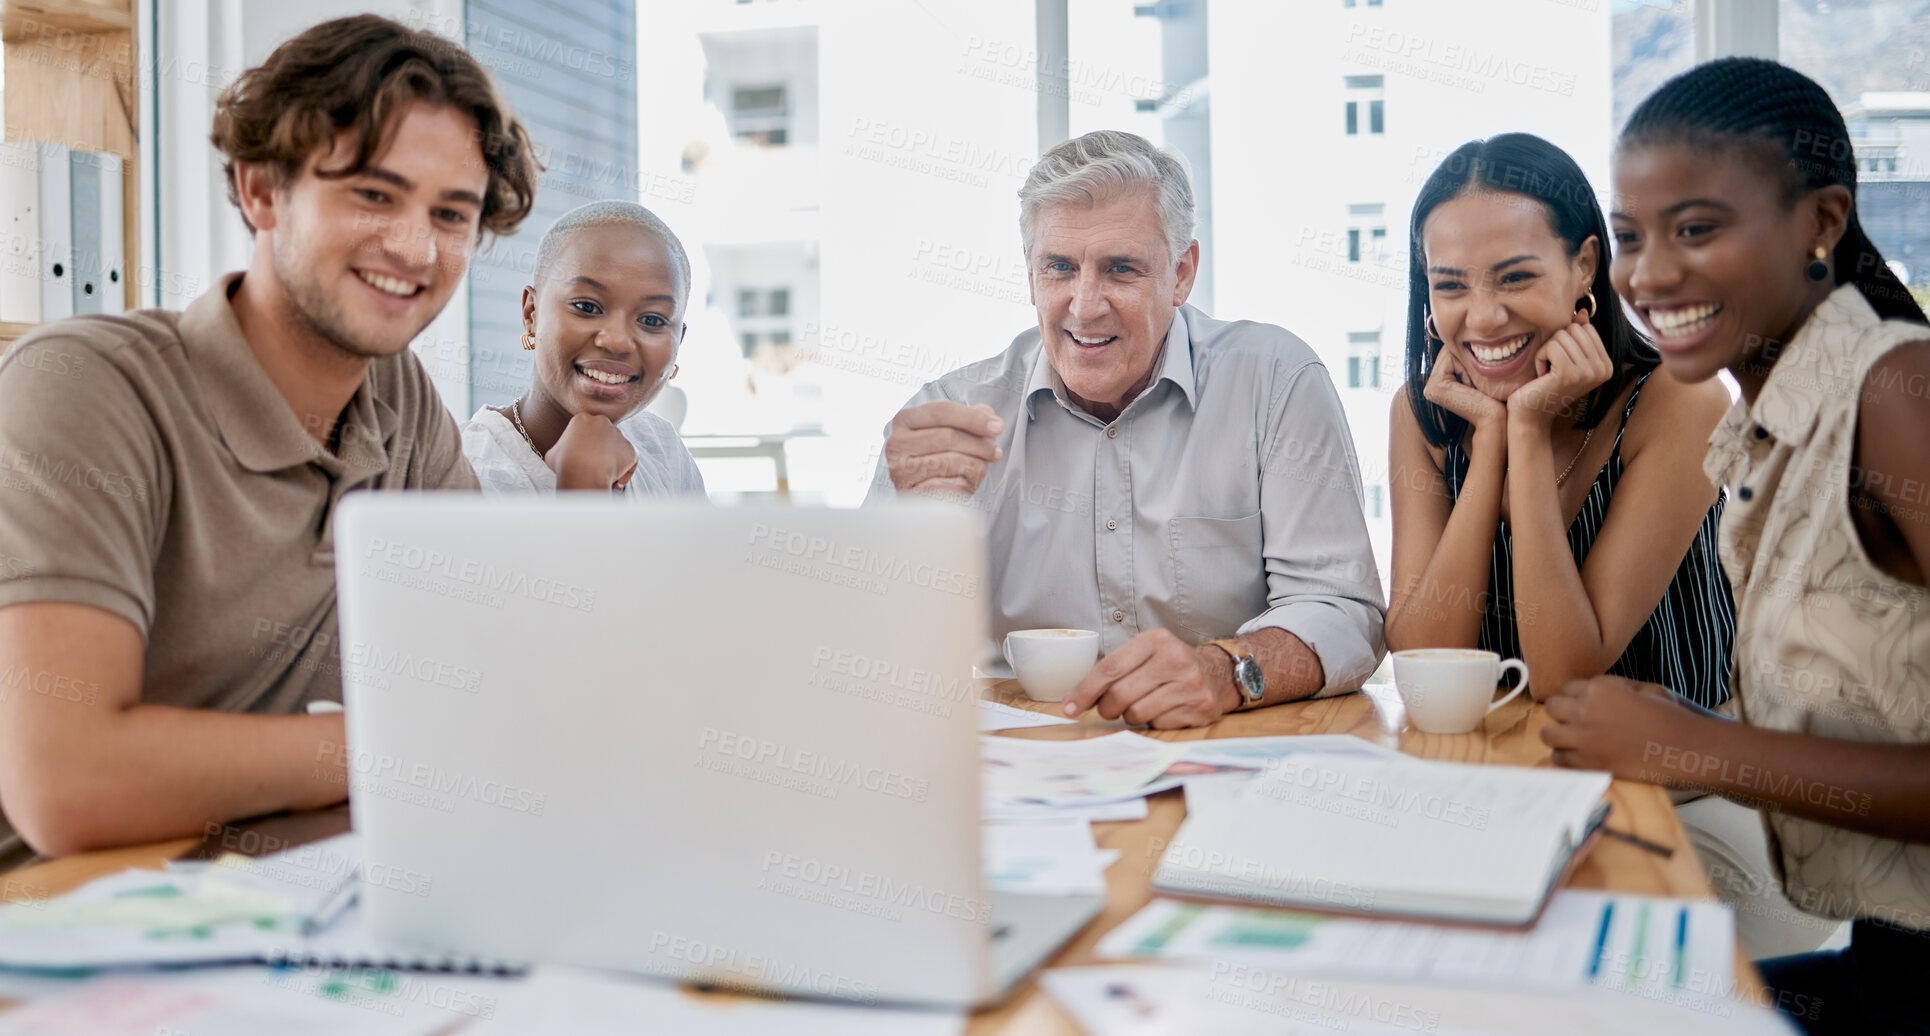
(1826, 643)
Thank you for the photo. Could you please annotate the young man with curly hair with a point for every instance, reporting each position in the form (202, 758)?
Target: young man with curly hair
(170, 485)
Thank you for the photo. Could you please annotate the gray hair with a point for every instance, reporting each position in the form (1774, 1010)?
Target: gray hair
(614, 213)
(1086, 169)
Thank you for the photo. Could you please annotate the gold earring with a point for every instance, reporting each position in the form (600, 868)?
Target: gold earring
(673, 372)
(529, 340)
(1591, 305)
(1429, 324)
(1818, 269)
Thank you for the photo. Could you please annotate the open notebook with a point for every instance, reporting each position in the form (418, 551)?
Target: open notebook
(230, 910)
(1393, 836)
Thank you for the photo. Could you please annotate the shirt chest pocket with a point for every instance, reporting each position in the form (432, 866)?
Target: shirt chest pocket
(1219, 573)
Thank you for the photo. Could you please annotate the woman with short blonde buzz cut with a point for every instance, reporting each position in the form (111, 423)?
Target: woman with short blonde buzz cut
(604, 316)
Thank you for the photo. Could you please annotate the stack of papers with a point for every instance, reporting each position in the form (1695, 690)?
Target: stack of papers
(1125, 765)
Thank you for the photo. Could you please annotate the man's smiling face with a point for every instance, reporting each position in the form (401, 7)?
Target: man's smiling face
(1106, 288)
(369, 259)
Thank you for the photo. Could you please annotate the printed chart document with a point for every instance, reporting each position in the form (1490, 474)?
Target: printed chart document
(1057, 859)
(1385, 835)
(1128, 765)
(1091, 770)
(254, 1000)
(1240, 1000)
(1647, 945)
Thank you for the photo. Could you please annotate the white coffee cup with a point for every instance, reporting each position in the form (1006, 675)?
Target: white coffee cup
(1050, 663)
(1449, 690)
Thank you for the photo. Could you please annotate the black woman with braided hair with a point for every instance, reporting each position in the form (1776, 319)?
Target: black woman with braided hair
(1737, 241)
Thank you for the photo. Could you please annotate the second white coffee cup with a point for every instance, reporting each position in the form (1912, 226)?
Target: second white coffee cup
(1050, 663)
(1449, 690)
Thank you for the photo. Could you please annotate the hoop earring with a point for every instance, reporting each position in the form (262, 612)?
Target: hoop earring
(1428, 322)
(671, 373)
(1818, 269)
(529, 340)
(1591, 304)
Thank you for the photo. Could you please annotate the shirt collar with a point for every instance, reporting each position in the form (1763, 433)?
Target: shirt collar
(255, 421)
(1809, 369)
(1175, 365)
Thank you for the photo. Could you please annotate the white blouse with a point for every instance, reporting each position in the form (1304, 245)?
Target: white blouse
(506, 465)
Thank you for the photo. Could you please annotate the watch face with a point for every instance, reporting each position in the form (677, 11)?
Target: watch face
(1253, 683)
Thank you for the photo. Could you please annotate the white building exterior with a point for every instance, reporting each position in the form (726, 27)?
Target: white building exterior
(1312, 220)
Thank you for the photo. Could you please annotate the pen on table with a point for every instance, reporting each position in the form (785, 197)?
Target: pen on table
(337, 902)
(1639, 842)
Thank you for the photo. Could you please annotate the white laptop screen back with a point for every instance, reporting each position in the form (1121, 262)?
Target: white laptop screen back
(733, 745)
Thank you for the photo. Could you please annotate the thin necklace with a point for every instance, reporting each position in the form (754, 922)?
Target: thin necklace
(516, 418)
(1563, 477)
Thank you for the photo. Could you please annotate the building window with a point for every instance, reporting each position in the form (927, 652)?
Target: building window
(1363, 359)
(1365, 105)
(1366, 233)
(752, 302)
(760, 115)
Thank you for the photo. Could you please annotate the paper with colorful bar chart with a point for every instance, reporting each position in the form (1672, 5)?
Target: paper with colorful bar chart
(1675, 949)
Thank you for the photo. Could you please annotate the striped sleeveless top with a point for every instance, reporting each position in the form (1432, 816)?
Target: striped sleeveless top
(1685, 645)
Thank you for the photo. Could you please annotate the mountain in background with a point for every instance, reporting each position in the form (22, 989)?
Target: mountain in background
(1849, 46)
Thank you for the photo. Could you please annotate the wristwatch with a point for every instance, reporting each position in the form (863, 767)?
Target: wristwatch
(1246, 672)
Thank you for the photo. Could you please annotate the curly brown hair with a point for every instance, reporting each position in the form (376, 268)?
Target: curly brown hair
(359, 74)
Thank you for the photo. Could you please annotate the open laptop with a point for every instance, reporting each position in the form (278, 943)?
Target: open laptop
(734, 746)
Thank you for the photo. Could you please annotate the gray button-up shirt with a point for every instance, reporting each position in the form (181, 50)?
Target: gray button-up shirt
(1225, 499)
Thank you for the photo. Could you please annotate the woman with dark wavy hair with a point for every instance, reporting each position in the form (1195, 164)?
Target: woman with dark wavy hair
(1548, 493)
(1738, 242)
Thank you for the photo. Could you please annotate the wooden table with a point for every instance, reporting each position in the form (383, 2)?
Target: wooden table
(1510, 735)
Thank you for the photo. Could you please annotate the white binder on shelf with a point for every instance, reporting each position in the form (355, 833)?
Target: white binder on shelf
(19, 233)
(84, 197)
(56, 233)
(109, 262)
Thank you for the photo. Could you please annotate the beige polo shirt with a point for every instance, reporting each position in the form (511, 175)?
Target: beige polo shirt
(148, 467)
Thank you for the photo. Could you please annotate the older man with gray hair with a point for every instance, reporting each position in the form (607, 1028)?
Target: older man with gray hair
(1184, 485)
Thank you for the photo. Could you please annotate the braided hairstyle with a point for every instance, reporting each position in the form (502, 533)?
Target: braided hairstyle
(1754, 101)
